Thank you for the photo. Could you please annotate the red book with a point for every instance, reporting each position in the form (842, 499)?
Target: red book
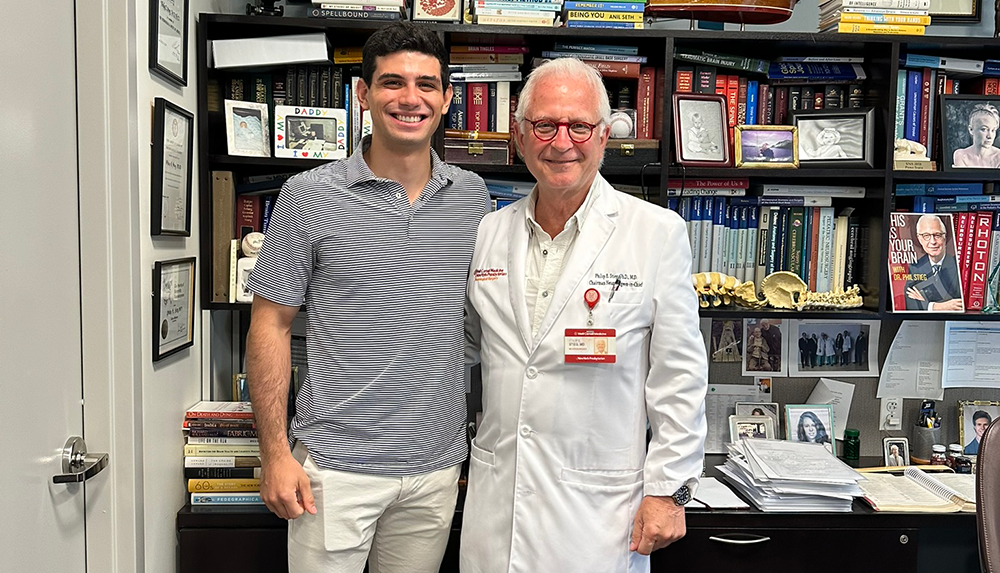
(644, 104)
(780, 105)
(658, 90)
(721, 81)
(248, 215)
(925, 105)
(684, 79)
(614, 69)
(961, 234)
(982, 225)
(819, 98)
(477, 106)
(732, 99)
(218, 409)
(984, 86)
(762, 93)
(741, 102)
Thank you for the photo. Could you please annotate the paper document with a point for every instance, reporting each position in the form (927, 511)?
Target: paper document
(713, 494)
(917, 490)
(971, 359)
(912, 368)
(719, 404)
(839, 395)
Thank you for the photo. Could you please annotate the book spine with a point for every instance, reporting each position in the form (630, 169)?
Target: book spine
(508, 12)
(718, 235)
(291, 85)
(833, 96)
(763, 243)
(704, 79)
(751, 118)
(796, 218)
(813, 246)
(750, 259)
(224, 498)
(604, 16)
(491, 106)
(243, 440)
(605, 6)
(780, 253)
(982, 229)
(239, 424)
(223, 484)
(602, 48)
(889, 4)
(644, 103)
(614, 69)
(598, 24)
(517, 59)
(994, 258)
(659, 88)
(477, 106)
(218, 415)
(456, 113)
(901, 102)
(684, 79)
(780, 105)
(824, 261)
(808, 97)
(850, 265)
(913, 91)
(741, 101)
(221, 433)
(819, 98)
(503, 107)
(854, 17)
(741, 242)
(732, 100)
(925, 102)
(221, 450)
(708, 208)
(222, 473)
(695, 230)
(806, 72)
(723, 60)
(763, 94)
(221, 461)
(893, 29)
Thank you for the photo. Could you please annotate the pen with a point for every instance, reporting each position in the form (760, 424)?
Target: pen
(614, 289)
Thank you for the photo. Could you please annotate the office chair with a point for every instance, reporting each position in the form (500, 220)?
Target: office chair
(988, 499)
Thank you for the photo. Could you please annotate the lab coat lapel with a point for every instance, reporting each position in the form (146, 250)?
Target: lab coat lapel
(592, 239)
(517, 255)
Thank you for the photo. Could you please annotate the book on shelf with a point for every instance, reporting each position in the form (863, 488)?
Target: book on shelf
(223, 484)
(219, 409)
(917, 490)
(233, 440)
(221, 461)
(796, 190)
(358, 13)
(800, 73)
(221, 449)
(747, 64)
(222, 473)
(223, 433)
(911, 268)
(226, 498)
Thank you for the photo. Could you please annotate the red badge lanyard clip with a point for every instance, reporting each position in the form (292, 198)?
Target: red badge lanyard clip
(591, 298)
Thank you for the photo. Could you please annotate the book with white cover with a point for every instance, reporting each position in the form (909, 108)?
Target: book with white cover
(271, 50)
(917, 490)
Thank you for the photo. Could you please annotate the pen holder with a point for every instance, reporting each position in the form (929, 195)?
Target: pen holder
(922, 440)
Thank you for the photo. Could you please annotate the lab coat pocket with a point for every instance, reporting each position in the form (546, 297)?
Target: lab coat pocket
(481, 455)
(601, 478)
(626, 297)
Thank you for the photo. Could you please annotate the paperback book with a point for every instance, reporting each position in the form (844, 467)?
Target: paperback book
(923, 265)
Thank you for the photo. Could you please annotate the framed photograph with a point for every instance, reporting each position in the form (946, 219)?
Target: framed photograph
(726, 340)
(173, 141)
(841, 348)
(750, 427)
(769, 409)
(701, 130)
(168, 40)
(767, 146)
(968, 132)
(310, 132)
(764, 351)
(923, 263)
(809, 423)
(973, 418)
(896, 451)
(248, 129)
(241, 388)
(942, 11)
(173, 306)
(836, 137)
(437, 11)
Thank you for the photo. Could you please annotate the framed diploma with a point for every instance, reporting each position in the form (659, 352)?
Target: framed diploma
(173, 139)
(173, 306)
(168, 39)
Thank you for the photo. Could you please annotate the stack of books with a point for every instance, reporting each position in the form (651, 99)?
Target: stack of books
(359, 10)
(222, 455)
(780, 476)
(515, 12)
(897, 17)
(628, 15)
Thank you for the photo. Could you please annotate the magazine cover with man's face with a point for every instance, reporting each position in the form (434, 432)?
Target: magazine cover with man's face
(924, 270)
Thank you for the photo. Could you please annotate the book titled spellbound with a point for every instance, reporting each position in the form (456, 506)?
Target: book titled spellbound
(923, 267)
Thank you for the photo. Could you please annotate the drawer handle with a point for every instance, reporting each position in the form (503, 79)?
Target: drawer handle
(740, 541)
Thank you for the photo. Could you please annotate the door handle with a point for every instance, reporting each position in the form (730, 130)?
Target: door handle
(77, 464)
(751, 540)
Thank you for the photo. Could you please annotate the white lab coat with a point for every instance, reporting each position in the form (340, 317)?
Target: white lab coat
(559, 465)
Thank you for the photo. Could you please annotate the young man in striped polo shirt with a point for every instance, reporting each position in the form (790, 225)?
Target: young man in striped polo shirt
(377, 247)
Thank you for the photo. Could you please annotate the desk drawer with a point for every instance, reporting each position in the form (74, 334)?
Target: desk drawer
(806, 550)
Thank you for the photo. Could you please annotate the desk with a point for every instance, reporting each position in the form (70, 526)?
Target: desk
(250, 539)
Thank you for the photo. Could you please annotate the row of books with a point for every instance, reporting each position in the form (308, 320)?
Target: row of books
(897, 17)
(751, 237)
(221, 454)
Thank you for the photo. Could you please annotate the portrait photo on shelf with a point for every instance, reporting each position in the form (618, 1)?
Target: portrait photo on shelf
(767, 146)
(248, 129)
(836, 137)
(841, 348)
(969, 131)
(310, 132)
(923, 267)
(764, 348)
(769, 409)
(726, 340)
(701, 130)
(895, 451)
(811, 423)
(973, 418)
(763, 385)
(759, 427)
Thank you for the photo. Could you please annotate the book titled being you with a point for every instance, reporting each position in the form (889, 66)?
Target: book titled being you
(924, 265)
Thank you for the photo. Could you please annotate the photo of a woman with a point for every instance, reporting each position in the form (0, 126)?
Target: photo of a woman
(810, 423)
(983, 123)
(811, 429)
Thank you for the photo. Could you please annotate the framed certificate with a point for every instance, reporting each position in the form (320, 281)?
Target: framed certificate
(173, 139)
(967, 11)
(173, 306)
(168, 39)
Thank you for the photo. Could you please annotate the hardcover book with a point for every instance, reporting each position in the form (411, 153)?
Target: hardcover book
(923, 265)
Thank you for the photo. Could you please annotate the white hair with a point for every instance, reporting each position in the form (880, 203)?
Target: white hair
(565, 67)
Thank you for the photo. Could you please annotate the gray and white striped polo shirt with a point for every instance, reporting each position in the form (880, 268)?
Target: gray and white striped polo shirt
(384, 285)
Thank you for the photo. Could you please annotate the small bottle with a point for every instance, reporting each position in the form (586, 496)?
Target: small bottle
(852, 445)
(963, 465)
(954, 452)
(938, 455)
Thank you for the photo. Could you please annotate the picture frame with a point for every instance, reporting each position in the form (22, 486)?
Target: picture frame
(750, 427)
(836, 137)
(171, 165)
(970, 423)
(173, 306)
(310, 132)
(956, 11)
(437, 11)
(818, 417)
(895, 451)
(248, 128)
(766, 146)
(765, 354)
(967, 143)
(701, 130)
(168, 40)
(825, 356)
(770, 409)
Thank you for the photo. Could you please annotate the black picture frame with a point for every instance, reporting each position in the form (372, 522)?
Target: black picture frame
(166, 16)
(173, 306)
(970, 13)
(854, 130)
(955, 112)
(171, 166)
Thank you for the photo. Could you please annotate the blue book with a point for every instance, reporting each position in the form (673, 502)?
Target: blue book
(600, 24)
(786, 72)
(923, 204)
(751, 118)
(685, 210)
(673, 203)
(912, 127)
(266, 209)
(597, 48)
(957, 188)
(606, 6)
(456, 113)
(911, 189)
(597, 57)
(991, 68)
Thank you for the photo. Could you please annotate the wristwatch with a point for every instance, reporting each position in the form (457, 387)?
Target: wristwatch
(682, 496)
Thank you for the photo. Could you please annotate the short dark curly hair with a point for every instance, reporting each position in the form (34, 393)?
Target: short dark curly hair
(403, 37)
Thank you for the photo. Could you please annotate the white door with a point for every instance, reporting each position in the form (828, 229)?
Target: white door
(43, 524)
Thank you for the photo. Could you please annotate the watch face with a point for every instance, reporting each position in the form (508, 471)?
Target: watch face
(682, 495)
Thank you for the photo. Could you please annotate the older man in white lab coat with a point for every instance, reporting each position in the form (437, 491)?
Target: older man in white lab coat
(581, 307)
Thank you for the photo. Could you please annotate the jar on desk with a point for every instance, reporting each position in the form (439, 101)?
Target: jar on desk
(954, 452)
(938, 455)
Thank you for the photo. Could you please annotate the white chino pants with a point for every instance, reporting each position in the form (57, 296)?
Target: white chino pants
(399, 524)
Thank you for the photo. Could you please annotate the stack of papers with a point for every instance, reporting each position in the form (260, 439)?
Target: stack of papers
(779, 476)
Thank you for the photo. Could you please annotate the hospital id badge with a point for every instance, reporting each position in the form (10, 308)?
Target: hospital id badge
(589, 345)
